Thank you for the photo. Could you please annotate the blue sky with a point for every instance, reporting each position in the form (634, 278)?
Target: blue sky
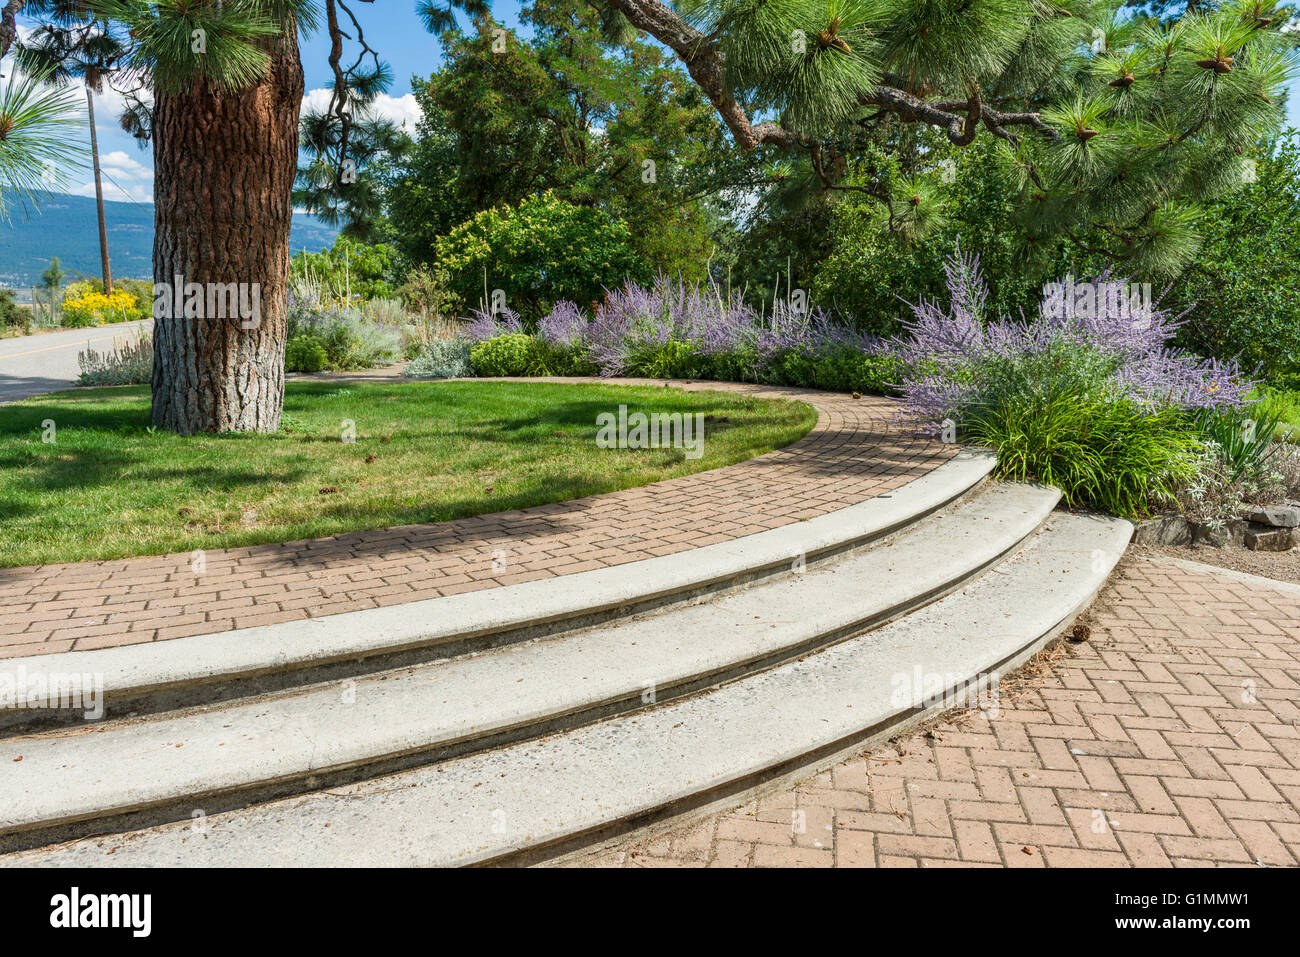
(396, 32)
(391, 27)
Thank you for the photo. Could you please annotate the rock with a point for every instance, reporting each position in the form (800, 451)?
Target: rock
(1229, 533)
(1264, 538)
(1279, 516)
(1165, 530)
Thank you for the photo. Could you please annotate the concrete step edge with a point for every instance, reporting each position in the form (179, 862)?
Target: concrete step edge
(534, 800)
(201, 669)
(226, 755)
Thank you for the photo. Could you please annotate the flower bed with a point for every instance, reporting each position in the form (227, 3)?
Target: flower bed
(676, 330)
(1095, 400)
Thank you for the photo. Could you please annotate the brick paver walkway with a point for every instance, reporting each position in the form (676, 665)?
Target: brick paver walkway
(1170, 738)
(856, 451)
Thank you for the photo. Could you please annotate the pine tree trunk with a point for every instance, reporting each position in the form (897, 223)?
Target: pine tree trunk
(224, 165)
(99, 197)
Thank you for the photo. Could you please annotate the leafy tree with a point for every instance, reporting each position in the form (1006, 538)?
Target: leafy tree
(368, 271)
(538, 252)
(603, 124)
(424, 197)
(1242, 294)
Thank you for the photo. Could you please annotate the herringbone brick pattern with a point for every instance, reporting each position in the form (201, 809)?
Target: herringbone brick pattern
(1171, 738)
(857, 450)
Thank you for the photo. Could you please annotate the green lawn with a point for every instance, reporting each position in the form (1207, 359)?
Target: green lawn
(111, 487)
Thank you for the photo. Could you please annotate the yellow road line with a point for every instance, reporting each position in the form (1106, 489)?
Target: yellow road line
(70, 345)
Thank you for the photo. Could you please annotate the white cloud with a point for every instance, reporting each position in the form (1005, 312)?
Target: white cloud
(123, 166)
(115, 193)
(402, 110)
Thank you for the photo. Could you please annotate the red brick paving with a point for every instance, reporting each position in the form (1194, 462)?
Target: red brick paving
(1170, 739)
(855, 452)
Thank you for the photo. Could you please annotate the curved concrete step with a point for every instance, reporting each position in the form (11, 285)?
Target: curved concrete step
(184, 672)
(225, 755)
(535, 799)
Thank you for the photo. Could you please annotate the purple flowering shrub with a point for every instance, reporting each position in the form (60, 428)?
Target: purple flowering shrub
(672, 329)
(1089, 395)
(953, 359)
(564, 326)
(636, 326)
(484, 325)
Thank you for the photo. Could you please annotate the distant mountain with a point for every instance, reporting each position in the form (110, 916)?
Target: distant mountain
(66, 226)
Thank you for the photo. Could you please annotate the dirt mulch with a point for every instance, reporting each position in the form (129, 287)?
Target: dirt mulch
(1281, 566)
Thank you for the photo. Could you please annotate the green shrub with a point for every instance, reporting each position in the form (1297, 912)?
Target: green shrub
(740, 366)
(515, 354)
(1286, 405)
(538, 252)
(441, 359)
(13, 317)
(350, 340)
(852, 370)
(844, 369)
(1112, 455)
(305, 354)
(564, 360)
(672, 359)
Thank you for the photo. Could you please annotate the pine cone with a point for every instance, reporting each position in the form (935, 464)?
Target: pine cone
(1086, 135)
(1218, 65)
(827, 39)
(1125, 80)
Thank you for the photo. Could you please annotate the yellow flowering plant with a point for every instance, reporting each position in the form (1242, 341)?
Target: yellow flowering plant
(96, 309)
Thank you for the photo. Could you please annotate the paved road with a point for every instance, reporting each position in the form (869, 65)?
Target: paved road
(32, 365)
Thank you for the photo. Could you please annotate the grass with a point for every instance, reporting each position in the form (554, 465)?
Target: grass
(112, 487)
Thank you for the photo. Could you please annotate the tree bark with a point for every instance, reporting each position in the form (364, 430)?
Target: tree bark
(224, 165)
(99, 197)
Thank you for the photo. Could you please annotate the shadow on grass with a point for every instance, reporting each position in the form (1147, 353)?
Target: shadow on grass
(451, 406)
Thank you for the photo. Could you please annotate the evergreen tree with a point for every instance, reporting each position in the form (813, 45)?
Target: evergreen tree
(1116, 127)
